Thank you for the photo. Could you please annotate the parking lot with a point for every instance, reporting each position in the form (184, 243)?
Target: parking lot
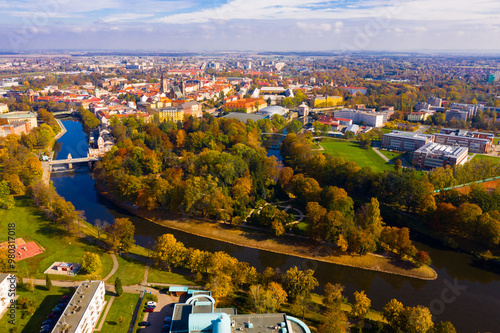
(164, 308)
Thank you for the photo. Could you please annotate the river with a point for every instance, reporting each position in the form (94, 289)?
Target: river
(466, 292)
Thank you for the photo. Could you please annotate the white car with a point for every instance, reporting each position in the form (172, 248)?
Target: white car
(151, 303)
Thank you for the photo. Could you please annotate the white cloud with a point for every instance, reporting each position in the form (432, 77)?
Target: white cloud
(125, 17)
(314, 27)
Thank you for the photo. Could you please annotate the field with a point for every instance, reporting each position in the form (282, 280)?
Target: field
(351, 151)
(486, 157)
(31, 225)
(122, 306)
(45, 301)
(158, 276)
(392, 155)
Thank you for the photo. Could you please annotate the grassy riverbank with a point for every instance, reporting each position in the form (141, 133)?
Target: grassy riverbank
(295, 246)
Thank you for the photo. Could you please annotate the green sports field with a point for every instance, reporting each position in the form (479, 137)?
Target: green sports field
(351, 151)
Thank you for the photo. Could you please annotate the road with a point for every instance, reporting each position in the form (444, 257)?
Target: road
(422, 128)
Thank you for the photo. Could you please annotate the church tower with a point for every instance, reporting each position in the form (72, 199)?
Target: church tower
(163, 84)
(183, 87)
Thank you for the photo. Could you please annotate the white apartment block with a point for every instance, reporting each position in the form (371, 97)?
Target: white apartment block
(373, 119)
(7, 290)
(83, 310)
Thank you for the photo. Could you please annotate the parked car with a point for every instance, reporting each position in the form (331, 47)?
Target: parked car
(52, 315)
(149, 309)
(168, 319)
(65, 297)
(151, 303)
(144, 324)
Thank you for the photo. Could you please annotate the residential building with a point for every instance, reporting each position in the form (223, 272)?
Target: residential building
(435, 102)
(407, 141)
(477, 142)
(83, 309)
(171, 113)
(459, 115)
(199, 314)
(7, 290)
(15, 128)
(418, 116)
(325, 101)
(4, 108)
(471, 109)
(247, 105)
(373, 119)
(21, 116)
(191, 108)
(435, 155)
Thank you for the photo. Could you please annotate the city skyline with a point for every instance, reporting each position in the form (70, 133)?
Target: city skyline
(273, 25)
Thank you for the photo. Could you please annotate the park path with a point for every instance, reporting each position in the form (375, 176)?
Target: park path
(146, 274)
(114, 269)
(382, 155)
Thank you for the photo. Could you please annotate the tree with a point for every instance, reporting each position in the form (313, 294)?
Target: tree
(444, 327)
(168, 251)
(100, 226)
(295, 126)
(91, 263)
(221, 285)
(393, 313)
(368, 218)
(120, 234)
(316, 219)
(335, 321)
(333, 295)
(361, 306)
(118, 287)
(398, 165)
(48, 282)
(418, 319)
(297, 282)
(422, 258)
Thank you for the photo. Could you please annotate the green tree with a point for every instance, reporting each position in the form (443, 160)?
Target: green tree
(333, 295)
(398, 165)
(48, 282)
(118, 287)
(91, 263)
(335, 321)
(443, 327)
(368, 218)
(418, 319)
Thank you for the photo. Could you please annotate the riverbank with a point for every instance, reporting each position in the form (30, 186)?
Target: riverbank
(310, 252)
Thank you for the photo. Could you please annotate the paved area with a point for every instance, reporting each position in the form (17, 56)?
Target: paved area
(145, 279)
(114, 269)
(422, 128)
(53, 269)
(163, 309)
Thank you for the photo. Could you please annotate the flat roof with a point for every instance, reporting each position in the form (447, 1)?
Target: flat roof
(76, 307)
(180, 317)
(244, 117)
(443, 150)
(261, 323)
(178, 289)
(409, 135)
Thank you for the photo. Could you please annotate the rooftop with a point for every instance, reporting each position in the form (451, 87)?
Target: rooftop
(443, 150)
(410, 135)
(74, 311)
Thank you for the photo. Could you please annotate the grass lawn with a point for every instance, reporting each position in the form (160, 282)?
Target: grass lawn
(45, 301)
(122, 306)
(486, 157)
(351, 151)
(130, 271)
(392, 155)
(158, 276)
(496, 141)
(31, 225)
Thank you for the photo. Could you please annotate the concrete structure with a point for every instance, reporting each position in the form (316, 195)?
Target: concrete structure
(355, 90)
(83, 310)
(418, 116)
(7, 290)
(407, 141)
(477, 142)
(244, 117)
(15, 129)
(270, 111)
(373, 119)
(435, 102)
(21, 116)
(198, 314)
(171, 114)
(435, 155)
(303, 110)
(471, 109)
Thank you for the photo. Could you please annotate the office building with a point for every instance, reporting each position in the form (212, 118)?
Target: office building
(406, 141)
(477, 142)
(435, 155)
(373, 119)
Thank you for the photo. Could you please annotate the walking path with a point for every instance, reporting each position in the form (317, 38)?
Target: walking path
(145, 279)
(114, 269)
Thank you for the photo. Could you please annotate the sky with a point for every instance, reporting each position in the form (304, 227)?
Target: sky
(250, 25)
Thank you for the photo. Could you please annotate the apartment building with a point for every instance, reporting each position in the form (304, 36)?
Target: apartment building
(435, 155)
(171, 113)
(83, 310)
(21, 116)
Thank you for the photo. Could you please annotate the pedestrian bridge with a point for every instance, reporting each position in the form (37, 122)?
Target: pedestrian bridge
(67, 164)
